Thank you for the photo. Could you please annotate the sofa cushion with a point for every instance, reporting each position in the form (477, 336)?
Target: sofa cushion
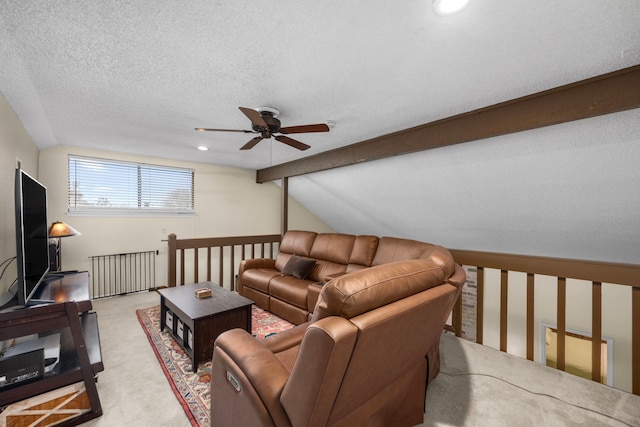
(298, 267)
(290, 289)
(364, 249)
(364, 290)
(333, 247)
(323, 270)
(298, 242)
(392, 249)
(259, 278)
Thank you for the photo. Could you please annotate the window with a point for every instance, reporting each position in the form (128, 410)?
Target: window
(100, 186)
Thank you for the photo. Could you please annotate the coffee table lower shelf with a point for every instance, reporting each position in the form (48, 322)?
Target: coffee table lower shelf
(195, 323)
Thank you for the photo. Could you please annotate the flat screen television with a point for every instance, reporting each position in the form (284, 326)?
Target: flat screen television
(32, 235)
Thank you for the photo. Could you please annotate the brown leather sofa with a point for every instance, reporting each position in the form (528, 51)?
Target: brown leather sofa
(294, 298)
(359, 361)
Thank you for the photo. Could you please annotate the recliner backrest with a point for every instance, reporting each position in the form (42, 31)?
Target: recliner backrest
(364, 290)
(294, 242)
(331, 252)
(364, 249)
(396, 313)
(391, 249)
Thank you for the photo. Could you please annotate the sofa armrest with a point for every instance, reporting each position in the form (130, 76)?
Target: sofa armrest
(286, 339)
(313, 293)
(313, 385)
(248, 264)
(258, 263)
(247, 380)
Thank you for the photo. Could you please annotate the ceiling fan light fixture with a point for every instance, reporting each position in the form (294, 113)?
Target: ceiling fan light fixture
(264, 122)
(203, 148)
(448, 7)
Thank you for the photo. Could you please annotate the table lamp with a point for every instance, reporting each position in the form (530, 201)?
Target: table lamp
(58, 230)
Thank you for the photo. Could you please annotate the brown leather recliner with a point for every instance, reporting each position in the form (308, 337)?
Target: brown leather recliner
(363, 359)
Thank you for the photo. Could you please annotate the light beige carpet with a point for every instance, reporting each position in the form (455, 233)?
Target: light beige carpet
(480, 386)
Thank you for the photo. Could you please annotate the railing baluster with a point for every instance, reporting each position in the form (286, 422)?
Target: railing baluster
(232, 267)
(597, 272)
(457, 316)
(479, 304)
(220, 260)
(530, 314)
(504, 306)
(635, 339)
(171, 280)
(209, 264)
(596, 328)
(562, 321)
(181, 267)
(195, 265)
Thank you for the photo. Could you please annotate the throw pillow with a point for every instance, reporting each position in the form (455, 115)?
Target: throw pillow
(298, 267)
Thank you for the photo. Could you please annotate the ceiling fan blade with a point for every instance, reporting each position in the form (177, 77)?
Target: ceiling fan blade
(222, 130)
(255, 117)
(249, 145)
(321, 127)
(292, 142)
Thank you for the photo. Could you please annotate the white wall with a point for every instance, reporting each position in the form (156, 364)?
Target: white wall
(228, 202)
(15, 144)
(567, 191)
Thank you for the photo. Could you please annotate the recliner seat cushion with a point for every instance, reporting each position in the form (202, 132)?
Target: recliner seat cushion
(289, 289)
(259, 278)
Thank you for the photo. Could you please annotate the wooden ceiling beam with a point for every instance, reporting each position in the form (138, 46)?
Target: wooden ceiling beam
(604, 94)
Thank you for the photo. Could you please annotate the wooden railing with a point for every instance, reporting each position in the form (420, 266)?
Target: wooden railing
(223, 254)
(595, 272)
(220, 251)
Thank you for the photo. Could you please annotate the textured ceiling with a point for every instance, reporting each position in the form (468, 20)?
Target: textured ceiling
(138, 76)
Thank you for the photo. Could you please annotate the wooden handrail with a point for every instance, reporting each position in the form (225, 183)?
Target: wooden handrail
(609, 272)
(180, 246)
(597, 272)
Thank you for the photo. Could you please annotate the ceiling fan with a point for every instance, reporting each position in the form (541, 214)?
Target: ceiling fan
(265, 122)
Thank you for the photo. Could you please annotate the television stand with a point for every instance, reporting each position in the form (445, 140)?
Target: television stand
(61, 286)
(80, 356)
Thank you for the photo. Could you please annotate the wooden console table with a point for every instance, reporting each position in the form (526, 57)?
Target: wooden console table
(80, 358)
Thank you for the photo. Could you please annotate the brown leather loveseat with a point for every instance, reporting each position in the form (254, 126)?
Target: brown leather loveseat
(359, 361)
(282, 287)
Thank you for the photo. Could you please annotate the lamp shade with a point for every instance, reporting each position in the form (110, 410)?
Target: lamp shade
(60, 229)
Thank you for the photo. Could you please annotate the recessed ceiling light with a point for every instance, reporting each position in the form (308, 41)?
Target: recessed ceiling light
(203, 148)
(448, 7)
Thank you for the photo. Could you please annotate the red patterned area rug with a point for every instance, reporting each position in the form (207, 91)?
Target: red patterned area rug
(193, 389)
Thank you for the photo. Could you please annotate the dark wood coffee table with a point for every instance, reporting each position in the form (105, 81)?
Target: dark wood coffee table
(195, 323)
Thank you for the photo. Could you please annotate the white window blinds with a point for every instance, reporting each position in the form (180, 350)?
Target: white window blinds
(101, 186)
